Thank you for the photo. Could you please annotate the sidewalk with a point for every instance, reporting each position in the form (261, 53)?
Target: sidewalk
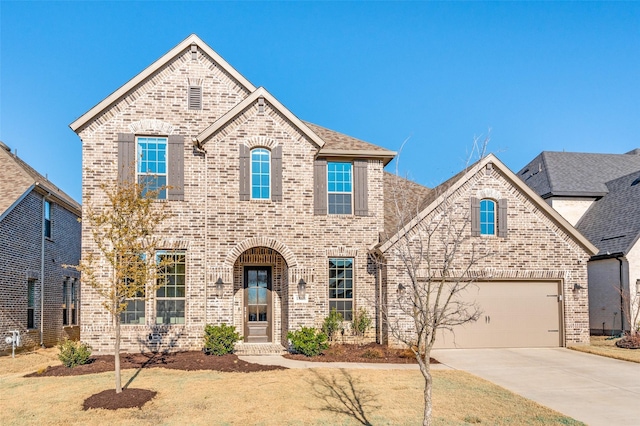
(290, 363)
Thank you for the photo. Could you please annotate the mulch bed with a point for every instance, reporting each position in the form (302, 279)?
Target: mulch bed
(370, 353)
(189, 361)
(629, 342)
(110, 400)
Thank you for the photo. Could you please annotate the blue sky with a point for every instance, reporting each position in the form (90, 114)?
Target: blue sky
(542, 76)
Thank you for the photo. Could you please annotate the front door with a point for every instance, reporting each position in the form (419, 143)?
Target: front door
(257, 304)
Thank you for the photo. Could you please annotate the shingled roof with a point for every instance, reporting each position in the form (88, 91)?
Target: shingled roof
(576, 173)
(17, 178)
(402, 197)
(612, 223)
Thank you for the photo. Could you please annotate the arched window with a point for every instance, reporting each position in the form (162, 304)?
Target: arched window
(260, 173)
(487, 217)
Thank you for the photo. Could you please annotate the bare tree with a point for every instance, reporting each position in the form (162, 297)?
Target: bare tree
(429, 263)
(122, 229)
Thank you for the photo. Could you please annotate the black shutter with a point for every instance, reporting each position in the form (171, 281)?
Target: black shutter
(175, 179)
(360, 184)
(475, 217)
(320, 187)
(126, 157)
(245, 178)
(276, 173)
(502, 218)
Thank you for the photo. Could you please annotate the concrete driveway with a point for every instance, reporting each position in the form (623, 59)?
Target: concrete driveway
(593, 389)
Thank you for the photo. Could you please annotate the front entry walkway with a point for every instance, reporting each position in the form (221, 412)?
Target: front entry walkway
(590, 388)
(251, 349)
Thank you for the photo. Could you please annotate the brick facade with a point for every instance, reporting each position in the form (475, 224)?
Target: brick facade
(23, 260)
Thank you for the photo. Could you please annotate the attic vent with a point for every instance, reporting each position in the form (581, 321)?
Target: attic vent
(635, 182)
(194, 52)
(488, 169)
(613, 238)
(195, 97)
(260, 104)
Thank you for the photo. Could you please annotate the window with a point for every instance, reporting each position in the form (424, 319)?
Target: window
(170, 296)
(339, 187)
(72, 307)
(65, 302)
(152, 165)
(487, 217)
(47, 219)
(135, 311)
(341, 286)
(31, 303)
(260, 173)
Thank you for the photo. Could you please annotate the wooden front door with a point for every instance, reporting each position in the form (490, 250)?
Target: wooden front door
(257, 304)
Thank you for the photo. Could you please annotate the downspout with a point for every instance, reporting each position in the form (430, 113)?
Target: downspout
(198, 148)
(42, 241)
(622, 309)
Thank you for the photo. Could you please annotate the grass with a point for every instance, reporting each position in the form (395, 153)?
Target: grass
(291, 397)
(604, 346)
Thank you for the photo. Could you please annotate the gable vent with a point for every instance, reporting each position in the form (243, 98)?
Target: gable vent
(195, 97)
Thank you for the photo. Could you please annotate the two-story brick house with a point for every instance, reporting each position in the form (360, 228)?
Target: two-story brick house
(275, 220)
(39, 234)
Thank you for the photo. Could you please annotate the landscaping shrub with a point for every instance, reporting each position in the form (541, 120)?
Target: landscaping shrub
(220, 339)
(372, 353)
(332, 324)
(308, 341)
(361, 322)
(73, 353)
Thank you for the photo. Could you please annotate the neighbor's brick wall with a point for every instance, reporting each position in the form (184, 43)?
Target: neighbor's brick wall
(20, 251)
(535, 248)
(211, 223)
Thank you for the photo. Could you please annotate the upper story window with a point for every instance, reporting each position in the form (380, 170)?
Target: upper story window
(260, 174)
(47, 219)
(487, 217)
(339, 187)
(152, 164)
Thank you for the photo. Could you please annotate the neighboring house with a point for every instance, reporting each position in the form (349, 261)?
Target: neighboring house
(599, 194)
(274, 218)
(39, 233)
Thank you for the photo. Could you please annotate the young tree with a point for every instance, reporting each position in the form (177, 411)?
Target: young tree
(123, 233)
(431, 259)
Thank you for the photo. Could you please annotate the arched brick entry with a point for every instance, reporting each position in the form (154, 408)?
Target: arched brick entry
(268, 259)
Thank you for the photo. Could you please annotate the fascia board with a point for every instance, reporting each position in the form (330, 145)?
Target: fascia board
(386, 155)
(167, 57)
(43, 190)
(259, 92)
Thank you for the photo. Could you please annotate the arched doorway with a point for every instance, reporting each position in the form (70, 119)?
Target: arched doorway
(260, 293)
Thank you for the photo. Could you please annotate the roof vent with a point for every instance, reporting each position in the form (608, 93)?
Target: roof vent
(635, 182)
(3, 145)
(194, 52)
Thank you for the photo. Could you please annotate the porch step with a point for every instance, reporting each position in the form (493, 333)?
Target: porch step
(243, 348)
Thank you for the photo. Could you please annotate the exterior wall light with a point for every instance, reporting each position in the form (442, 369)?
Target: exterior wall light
(401, 288)
(577, 287)
(302, 289)
(219, 287)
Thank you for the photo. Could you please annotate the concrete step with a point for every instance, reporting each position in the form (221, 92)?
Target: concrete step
(248, 349)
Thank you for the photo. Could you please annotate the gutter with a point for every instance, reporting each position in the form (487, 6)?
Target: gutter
(42, 241)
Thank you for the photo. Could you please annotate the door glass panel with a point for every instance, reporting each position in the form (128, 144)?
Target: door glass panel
(257, 294)
(262, 312)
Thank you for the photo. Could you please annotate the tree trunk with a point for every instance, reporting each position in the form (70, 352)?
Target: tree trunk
(117, 357)
(425, 368)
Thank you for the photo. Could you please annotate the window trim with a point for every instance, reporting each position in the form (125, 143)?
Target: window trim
(183, 298)
(162, 195)
(494, 223)
(251, 172)
(352, 287)
(31, 304)
(335, 192)
(65, 302)
(46, 214)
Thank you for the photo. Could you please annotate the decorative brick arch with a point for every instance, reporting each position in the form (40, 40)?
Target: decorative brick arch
(271, 243)
(260, 141)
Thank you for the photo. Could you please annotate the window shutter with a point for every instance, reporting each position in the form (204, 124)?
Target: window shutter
(176, 168)
(360, 184)
(276, 173)
(320, 187)
(245, 178)
(195, 97)
(126, 157)
(502, 218)
(475, 217)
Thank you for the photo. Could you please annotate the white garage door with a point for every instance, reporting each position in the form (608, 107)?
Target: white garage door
(514, 314)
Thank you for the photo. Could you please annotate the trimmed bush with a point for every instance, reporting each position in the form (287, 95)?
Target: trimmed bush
(308, 341)
(220, 339)
(73, 353)
(332, 324)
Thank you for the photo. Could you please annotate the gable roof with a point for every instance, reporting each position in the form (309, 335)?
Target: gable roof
(612, 222)
(402, 197)
(17, 179)
(437, 195)
(576, 173)
(166, 58)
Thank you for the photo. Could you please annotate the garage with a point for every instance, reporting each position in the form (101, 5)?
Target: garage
(514, 314)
